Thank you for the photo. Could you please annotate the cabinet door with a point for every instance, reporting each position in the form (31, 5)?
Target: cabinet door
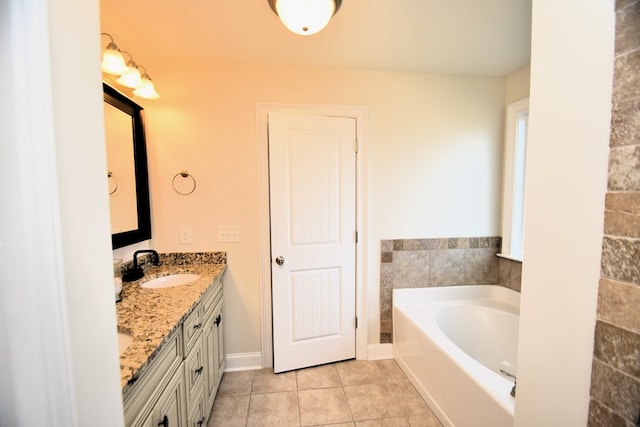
(171, 408)
(198, 414)
(214, 353)
(210, 337)
(220, 360)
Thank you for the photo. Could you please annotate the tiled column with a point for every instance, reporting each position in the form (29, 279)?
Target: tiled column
(615, 378)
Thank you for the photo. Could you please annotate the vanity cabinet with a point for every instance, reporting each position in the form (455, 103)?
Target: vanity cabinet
(180, 385)
(170, 409)
(214, 351)
(164, 372)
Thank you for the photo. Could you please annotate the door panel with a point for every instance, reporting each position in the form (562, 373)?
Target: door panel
(312, 189)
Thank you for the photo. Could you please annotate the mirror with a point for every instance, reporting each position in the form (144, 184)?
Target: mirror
(127, 169)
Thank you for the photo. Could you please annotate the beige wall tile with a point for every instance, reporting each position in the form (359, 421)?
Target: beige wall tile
(618, 304)
(620, 392)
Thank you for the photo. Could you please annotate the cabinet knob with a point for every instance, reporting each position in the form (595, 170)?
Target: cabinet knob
(164, 422)
(218, 320)
(197, 326)
(201, 422)
(199, 370)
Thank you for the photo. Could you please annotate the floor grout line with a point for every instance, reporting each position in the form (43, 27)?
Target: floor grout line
(357, 373)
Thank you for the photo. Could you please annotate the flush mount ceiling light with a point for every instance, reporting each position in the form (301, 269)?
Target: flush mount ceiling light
(305, 17)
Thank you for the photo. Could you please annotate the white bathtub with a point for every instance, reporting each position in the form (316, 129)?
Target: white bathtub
(452, 343)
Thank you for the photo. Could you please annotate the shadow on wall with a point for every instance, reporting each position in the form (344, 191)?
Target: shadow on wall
(420, 263)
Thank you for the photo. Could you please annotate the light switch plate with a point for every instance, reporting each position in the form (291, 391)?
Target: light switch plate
(228, 233)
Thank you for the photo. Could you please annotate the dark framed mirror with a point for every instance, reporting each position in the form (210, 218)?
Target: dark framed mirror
(127, 169)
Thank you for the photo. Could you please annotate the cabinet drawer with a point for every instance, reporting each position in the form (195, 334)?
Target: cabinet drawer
(194, 370)
(152, 381)
(192, 327)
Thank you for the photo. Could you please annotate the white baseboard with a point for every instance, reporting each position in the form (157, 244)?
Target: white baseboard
(379, 351)
(243, 361)
(249, 361)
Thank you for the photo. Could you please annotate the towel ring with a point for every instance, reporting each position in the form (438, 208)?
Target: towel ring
(113, 183)
(184, 186)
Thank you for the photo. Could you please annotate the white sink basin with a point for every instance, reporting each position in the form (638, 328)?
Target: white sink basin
(123, 341)
(170, 281)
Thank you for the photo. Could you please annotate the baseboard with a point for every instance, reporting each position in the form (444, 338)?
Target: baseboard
(249, 361)
(243, 361)
(379, 351)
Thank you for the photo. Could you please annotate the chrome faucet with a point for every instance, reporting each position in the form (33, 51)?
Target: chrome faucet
(136, 272)
(513, 377)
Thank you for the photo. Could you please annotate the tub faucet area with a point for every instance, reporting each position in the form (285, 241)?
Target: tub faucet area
(513, 377)
(136, 272)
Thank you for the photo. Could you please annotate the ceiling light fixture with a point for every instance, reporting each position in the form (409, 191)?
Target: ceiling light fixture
(305, 17)
(129, 72)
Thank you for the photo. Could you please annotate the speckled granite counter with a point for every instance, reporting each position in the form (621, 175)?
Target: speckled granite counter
(151, 315)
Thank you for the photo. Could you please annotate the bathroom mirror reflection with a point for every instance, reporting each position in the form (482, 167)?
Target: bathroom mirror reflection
(127, 169)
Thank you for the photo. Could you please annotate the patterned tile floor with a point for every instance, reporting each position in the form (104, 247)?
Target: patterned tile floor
(354, 393)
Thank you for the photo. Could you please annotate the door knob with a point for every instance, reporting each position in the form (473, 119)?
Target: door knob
(280, 260)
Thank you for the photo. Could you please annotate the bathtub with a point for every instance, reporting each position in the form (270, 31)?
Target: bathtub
(453, 342)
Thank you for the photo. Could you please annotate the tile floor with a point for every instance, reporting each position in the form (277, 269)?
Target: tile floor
(354, 393)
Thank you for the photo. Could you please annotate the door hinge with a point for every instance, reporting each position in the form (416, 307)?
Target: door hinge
(356, 236)
(356, 322)
(356, 145)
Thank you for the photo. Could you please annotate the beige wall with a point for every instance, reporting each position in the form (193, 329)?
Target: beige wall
(433, 167)
(517, 85)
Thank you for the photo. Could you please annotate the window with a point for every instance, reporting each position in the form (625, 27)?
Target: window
(513, 190)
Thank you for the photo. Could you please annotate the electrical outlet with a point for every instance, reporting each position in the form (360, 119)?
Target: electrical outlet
(228, 233)
(185, 235)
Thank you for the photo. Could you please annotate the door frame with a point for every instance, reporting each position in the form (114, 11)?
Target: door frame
(361, 115)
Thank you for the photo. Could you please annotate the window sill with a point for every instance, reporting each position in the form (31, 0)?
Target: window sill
(510, 257)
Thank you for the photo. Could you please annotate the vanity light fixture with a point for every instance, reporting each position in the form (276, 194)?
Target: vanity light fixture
(112, 59)
(131, 78)
(129, 72)
(146, 89)
(305, 17)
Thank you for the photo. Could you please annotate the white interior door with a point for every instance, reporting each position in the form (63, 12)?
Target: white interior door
(312, 170)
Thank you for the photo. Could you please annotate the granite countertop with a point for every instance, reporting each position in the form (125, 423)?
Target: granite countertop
(151, 315)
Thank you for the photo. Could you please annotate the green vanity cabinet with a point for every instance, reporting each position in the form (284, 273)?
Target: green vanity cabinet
(179, 386)
(214, 350)
(170, 408)
(161, 386)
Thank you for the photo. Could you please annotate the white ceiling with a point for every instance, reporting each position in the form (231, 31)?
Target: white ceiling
(479, 37)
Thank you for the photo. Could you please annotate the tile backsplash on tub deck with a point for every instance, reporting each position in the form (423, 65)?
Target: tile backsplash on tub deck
(419, 263)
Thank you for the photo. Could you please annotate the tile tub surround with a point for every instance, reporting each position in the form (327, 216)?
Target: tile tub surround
(615, 376)
(410, 263)
(510, 274)
(151, 315)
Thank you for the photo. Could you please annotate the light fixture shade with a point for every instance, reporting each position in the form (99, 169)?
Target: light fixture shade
(113, 61)
(146, 88)
(132, 77)
(305, 17)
